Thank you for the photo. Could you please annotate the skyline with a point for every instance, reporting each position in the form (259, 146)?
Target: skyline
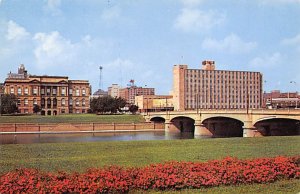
(142, 40)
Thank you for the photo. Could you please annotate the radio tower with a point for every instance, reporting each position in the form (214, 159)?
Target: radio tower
(100, 81)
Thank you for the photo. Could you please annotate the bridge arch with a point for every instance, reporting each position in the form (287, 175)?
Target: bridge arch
(182, 124)
(158, 119)
(220, 126)
(277, 126)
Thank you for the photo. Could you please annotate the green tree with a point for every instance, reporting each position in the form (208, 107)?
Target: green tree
(107, 104)
(133, 109)
(8, 104)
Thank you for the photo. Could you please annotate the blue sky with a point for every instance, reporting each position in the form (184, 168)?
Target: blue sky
(142, 39)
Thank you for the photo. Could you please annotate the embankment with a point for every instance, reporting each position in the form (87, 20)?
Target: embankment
(76, 127)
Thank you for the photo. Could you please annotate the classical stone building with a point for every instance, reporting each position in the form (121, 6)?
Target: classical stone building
(208, 88)
(54, 94)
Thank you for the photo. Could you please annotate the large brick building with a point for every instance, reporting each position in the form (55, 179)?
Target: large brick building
(208, 88)
(276, 99)
(54, 94)
(131, 92)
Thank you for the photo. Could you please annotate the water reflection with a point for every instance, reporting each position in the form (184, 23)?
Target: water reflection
(90, 137)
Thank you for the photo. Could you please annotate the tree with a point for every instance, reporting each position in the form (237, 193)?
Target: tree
(133, 109)
(107, 104)
(8, 104)
(36, 108)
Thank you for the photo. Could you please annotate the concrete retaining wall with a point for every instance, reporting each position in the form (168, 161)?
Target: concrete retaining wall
(60, 127)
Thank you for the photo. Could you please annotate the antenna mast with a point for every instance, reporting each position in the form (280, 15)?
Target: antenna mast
(100, 81)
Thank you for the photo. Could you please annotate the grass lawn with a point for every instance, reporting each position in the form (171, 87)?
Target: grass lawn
(80, 156)
(73, 118)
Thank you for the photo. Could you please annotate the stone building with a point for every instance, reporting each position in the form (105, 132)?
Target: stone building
(54, 94)
(114, 90)
(208, 88)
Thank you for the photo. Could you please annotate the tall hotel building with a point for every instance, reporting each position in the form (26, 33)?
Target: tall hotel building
(54, 94)
(208, 88)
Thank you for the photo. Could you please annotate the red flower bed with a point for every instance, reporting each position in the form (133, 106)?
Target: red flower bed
(170, 175)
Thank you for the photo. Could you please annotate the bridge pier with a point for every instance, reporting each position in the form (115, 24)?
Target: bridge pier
(170, 127)
(201, 130)
(250, 131)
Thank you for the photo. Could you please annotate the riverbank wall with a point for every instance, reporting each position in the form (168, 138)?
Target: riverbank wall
(77, 127)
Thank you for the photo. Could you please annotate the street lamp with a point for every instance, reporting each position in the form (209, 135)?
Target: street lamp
(293, 82)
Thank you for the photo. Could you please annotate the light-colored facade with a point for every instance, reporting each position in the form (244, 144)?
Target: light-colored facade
(114, 90)
(54, 94)
(148, 103)
(208, 88)
(131, 92)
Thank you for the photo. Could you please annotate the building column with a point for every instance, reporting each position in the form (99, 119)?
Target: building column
(250, 131)
(201, 130)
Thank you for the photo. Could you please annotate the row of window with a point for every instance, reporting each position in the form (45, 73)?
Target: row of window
(48, 91)
(53, 102)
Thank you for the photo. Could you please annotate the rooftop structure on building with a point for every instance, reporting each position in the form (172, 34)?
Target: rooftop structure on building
(208, 88)
(54, 94)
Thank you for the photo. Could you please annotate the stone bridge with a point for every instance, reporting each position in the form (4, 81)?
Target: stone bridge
(230, 123)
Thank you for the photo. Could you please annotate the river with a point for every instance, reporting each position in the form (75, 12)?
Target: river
(90, 137)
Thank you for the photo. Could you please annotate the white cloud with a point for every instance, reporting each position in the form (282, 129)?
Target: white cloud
(279, 2)
(191, 3)
(15, 32)
(53, 50)
(111, 13)
(231, 44)
(295, 41)
(267, 61)
(195, 20)
(53, 7)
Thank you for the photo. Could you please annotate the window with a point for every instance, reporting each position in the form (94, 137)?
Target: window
(83, 102)
(77, 92)
(19, 101)
(42, 91)
(19, 91)
(63, 111)
(70, 91)
(54, 91)
(63, 91)
(34, 101)
(26, 91)
(83, 92)
(77, 102)
(12, 90)
(25, 102)
(48, 91)
(34, 91)
(71, 101)
(63, 102)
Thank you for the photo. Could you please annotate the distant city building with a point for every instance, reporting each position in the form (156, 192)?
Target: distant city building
(1, 88)
(99, 93)
(276, 100)
(54, 94)
(114, 90)
(208, 88)
(132, 91)
(150, 103)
